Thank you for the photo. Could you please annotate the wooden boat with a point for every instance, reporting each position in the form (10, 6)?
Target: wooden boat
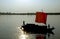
(37, 29)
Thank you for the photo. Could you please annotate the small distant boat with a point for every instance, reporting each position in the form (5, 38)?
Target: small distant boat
(37, 29)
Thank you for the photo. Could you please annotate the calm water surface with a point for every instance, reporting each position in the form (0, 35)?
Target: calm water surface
(10, 24)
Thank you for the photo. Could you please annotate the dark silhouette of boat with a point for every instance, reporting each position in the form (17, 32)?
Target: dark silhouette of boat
(37, 29)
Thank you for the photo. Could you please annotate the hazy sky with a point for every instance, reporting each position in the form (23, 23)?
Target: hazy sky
(29, 5)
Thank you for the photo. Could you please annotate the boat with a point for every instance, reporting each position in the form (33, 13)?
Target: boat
(37, 29)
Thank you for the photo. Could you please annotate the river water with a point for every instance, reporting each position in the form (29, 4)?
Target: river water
(10, 24)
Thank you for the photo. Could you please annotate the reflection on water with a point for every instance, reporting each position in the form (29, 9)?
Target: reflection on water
(22, 34)
(41, 36)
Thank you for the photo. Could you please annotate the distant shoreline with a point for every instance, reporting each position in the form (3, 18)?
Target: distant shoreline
(27, 13)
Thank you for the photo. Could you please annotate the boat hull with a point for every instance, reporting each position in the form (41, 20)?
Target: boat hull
(36, 29)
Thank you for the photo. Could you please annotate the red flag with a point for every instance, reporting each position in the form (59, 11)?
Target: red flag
(41, 17)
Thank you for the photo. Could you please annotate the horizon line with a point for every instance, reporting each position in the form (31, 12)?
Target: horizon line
(27, 13)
